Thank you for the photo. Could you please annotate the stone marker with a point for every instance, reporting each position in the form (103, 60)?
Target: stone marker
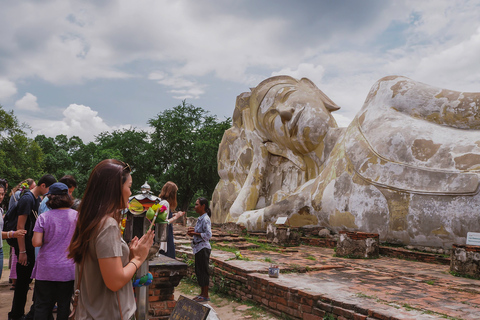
(473, 238)
(189, 309)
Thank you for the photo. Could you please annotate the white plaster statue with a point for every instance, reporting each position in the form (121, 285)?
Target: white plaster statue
(407, 167)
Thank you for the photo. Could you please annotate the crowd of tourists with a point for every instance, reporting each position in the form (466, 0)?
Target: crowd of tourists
(69, 245)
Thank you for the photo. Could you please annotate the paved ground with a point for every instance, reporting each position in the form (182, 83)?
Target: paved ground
(397, 286)
(6, 296)
(394, 288)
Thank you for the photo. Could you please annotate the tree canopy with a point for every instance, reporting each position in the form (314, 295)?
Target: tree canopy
(181, 146)
(20, 156)
(185, 144)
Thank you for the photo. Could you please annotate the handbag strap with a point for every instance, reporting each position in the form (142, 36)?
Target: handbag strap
(76, 293)
(119, 306)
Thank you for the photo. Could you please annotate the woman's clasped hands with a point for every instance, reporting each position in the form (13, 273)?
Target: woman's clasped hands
(139, 247)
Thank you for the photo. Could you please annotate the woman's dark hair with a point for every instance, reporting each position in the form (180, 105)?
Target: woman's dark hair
(69, 181)
(47, 179)
(56, 201)
(103, 196)
(202, 202)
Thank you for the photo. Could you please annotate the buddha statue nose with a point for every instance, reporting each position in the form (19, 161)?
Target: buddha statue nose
(286, 113)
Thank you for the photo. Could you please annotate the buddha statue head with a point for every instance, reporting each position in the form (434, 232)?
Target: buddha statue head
(293, 113)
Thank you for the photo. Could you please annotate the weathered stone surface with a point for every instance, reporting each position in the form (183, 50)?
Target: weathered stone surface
(232, 227)
(358, 245)
(405, 168)
(283, 235)
(324, 233)
(465, 260)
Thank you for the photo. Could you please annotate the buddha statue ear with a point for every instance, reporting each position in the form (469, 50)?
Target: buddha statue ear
(243, 102)
(329, 104)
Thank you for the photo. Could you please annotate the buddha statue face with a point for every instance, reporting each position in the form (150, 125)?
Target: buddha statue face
(292, 113)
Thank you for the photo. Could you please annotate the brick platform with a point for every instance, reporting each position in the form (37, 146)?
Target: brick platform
(313, 284)
(167, 274)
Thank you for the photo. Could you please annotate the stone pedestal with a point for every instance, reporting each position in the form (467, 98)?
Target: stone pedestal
(283, 236)
(358, 245)
(465, 260)
(167, 274)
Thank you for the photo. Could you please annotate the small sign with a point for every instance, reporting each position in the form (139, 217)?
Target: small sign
(473, 239)
(281, 220)
(187, 309)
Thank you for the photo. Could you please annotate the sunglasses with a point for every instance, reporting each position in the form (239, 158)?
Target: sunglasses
(126, 167)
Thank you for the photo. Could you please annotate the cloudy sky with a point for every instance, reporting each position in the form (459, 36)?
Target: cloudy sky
(83, 67)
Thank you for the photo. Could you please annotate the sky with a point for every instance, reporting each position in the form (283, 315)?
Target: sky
(84, 67)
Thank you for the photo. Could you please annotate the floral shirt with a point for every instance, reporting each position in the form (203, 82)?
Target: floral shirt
(204, 227)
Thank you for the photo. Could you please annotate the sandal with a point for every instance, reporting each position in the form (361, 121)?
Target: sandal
(201, 299)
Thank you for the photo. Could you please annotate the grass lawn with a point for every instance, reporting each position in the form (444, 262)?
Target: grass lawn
(6, 250)
(6, 255)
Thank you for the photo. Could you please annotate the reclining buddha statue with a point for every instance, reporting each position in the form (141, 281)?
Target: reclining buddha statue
(407, 167)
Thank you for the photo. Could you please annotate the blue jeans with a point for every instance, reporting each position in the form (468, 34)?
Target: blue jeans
(1, 261)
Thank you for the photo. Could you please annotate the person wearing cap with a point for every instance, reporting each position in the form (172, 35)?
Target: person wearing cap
(71, 184)
(54, 273)
(26, 213)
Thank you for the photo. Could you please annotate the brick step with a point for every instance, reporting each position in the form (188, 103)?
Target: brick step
(258, 234)
(414, 255)
(227, 238)
(239, 245)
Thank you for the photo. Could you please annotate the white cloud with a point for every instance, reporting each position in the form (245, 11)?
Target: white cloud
(304, 70)
(182, 44)
(7, 89)
(78, 120)
(28, 102)
(191, 93)
(183, 88)
(170, 81)
(341, 120)
(460, 62)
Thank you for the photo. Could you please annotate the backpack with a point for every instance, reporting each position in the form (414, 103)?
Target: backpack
(10, 220)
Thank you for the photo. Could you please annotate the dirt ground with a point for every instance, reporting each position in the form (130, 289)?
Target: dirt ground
(6, 295)
(224, 307)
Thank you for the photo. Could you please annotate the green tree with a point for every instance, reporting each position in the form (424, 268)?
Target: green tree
(65, 155)
(20, 156)
(133, 147)
(185, 143)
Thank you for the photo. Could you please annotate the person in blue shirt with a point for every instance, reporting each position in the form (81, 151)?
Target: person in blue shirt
(71, 184)
(201, 247)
